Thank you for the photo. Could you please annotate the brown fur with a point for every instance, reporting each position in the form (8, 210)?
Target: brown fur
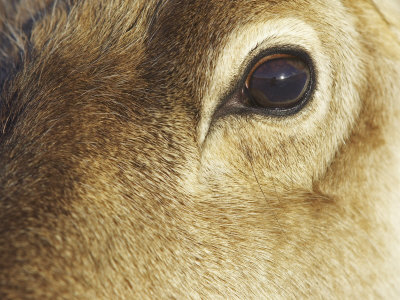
(116, 182)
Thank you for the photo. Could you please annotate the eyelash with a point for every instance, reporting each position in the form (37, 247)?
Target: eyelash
(235, 103)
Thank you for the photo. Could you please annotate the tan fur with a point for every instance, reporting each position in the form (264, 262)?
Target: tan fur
(117, 183)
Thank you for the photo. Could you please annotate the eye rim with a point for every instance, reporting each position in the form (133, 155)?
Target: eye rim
(236, 103)
(246, 90)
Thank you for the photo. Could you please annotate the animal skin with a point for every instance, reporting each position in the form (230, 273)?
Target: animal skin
(119, 179)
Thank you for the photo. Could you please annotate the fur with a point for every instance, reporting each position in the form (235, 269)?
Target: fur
(116, 182)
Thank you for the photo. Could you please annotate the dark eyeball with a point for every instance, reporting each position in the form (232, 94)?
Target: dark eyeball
(278, 82)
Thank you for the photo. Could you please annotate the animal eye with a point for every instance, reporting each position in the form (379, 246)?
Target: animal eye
(278, 82)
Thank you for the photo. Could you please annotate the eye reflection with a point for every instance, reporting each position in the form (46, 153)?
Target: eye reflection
(278, 81)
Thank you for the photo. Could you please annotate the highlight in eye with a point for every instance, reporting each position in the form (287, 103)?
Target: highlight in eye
(278, 82)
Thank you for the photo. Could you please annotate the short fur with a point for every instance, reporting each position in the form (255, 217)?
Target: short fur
(117, 183)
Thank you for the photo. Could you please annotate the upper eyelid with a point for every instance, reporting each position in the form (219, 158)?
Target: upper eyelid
(247, 65)
(241, 48)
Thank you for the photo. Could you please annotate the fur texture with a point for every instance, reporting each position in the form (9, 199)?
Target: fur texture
(116, 182)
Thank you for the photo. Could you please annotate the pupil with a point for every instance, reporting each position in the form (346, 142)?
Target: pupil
(279, 82)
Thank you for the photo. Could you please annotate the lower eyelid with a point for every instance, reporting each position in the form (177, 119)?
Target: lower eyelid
(230, 71)
(278, 81)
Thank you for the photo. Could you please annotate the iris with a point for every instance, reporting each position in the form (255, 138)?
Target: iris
(278, 81)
